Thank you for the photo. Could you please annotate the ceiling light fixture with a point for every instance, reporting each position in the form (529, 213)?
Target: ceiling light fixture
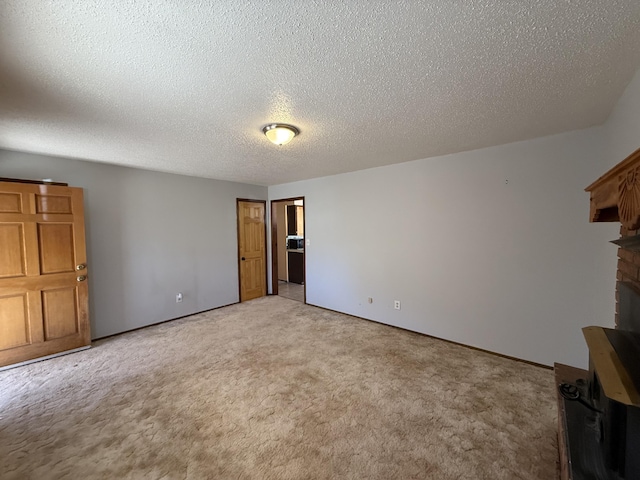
(280, 133)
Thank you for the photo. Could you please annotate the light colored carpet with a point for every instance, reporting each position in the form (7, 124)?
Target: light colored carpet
(275, 389)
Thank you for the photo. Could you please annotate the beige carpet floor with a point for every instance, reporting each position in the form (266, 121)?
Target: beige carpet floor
(275, 389)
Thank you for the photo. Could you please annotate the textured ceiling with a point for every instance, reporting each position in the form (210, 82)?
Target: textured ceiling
(186, 87)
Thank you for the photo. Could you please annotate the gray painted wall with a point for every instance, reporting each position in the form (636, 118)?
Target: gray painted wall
(622, 129)
(510, 267)
(149, 235)
(514, 268)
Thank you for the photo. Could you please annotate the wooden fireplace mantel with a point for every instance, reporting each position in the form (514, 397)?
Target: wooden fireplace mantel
(615, 196)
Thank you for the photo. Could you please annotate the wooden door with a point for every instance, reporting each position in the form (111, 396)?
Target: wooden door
(252, 249)
(43, 288)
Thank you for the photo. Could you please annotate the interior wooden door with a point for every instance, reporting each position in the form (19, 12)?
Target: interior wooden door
(252, 249)
(43, 288)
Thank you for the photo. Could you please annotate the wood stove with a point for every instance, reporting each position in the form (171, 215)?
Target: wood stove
(602, 410)
(599, 409)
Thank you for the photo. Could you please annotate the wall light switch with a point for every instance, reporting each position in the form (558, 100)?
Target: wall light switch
(308, 242)
(178, 297)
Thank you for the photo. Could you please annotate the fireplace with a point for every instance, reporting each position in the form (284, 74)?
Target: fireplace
(599, 409)
(628, 308)
(602, 409)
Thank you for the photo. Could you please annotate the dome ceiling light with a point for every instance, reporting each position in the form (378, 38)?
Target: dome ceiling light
(280, 133)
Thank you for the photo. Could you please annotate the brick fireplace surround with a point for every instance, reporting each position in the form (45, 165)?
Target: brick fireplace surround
(628, 266)
(615, 197)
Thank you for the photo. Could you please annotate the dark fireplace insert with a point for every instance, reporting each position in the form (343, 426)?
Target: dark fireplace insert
(602, 411)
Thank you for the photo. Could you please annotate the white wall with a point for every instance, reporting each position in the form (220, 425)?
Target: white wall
(149, 235)
(622, 129)
(513, 268)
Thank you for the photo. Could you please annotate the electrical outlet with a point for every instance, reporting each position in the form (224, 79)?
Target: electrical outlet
(178, 297)
(396, 304)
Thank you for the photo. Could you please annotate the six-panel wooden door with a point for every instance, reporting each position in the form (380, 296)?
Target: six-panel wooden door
(252, 249)
(43, 271)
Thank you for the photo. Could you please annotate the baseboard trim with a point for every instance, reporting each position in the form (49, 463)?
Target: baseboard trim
(164, 321)
(478, 349)
(47, 357)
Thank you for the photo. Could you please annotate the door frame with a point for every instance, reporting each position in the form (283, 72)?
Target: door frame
(274, 244)
(266, 263)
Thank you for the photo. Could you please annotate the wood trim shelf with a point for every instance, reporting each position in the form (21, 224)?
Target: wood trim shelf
(615, 196)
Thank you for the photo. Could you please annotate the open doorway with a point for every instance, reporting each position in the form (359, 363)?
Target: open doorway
(288, 254)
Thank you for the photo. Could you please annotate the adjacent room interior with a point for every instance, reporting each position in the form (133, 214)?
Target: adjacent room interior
(315, 241)
(287, 235)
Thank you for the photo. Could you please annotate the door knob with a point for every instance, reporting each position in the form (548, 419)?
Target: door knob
(243, 259)
(81, 278)
(82, 266)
